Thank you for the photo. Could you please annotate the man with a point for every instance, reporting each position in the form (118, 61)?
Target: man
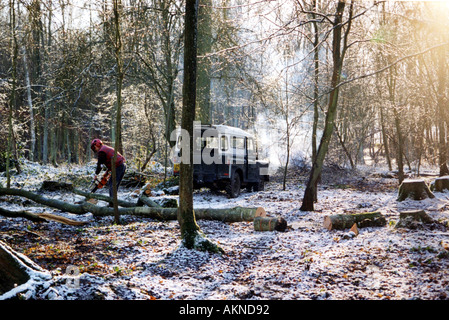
(105, 156)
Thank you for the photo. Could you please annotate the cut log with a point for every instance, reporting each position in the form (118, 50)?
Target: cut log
(441, 183)
(362, 220)
(355, 229)
(414, 189)
(18, 274)
(269, 224)
(412, 219)
(235, 214)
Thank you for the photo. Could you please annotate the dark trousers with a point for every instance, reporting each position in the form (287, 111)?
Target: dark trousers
(120, 172)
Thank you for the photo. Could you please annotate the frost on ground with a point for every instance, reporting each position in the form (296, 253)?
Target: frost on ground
(143, 259)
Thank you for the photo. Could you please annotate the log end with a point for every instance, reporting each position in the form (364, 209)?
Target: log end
(327, 223)
(260, 212)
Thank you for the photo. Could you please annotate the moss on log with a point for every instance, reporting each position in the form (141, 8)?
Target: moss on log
(346, 221)
(414, 189)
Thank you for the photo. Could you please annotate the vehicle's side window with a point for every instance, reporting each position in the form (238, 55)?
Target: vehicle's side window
(250, 146)
(224, 143)
(211, 142)
(238, 142)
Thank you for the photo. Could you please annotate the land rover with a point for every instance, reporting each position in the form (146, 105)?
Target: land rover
(224, 158)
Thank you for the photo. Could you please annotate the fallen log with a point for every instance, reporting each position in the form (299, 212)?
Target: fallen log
(40, 217)
(102, 197)
(143, 199)
(362, 220)
(269, 224)
(235, 214)
(414, 189)
(58, 204)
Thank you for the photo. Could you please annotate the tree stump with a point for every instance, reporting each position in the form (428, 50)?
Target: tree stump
(441, 184)
(414, 189)
(362, 220)
(18, 274)
(413, 219)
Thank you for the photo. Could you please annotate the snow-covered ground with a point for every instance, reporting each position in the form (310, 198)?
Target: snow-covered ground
(142, 258)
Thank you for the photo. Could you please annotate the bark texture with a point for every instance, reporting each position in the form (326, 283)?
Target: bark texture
(346, 221)
(414, 189)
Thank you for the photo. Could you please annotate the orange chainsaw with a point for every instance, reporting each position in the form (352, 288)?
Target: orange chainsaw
(100, 183)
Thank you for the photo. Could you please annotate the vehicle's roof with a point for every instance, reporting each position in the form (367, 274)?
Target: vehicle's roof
(233, 131)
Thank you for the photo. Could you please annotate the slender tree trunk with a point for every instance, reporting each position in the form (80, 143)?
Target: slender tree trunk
(316, 58)
(12, 100)
(204, 66)
(441, 114)
(191, 237)
(119, 82)
(310, 192)
(385, 138)
(186, 215)
(30, 105)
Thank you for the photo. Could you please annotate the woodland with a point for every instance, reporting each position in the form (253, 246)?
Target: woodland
(348, 101)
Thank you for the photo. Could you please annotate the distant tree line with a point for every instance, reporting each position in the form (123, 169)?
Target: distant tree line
(365, 81)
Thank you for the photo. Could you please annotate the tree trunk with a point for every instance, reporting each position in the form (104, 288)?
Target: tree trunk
(30, 106)
(18, 274)
(190, 231)
(414, 189)
(119, 82)
(310, 192)
(186, 215)
(441, 114)
(346, 221)
(12, 99)
(204, 65)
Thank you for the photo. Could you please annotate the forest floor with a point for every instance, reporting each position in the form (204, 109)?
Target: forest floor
(142, 258)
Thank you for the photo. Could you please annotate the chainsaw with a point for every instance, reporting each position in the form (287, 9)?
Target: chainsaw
(98, 183)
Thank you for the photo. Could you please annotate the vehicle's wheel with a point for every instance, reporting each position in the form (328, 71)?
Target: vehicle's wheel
(259, 186)
(233, 188)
